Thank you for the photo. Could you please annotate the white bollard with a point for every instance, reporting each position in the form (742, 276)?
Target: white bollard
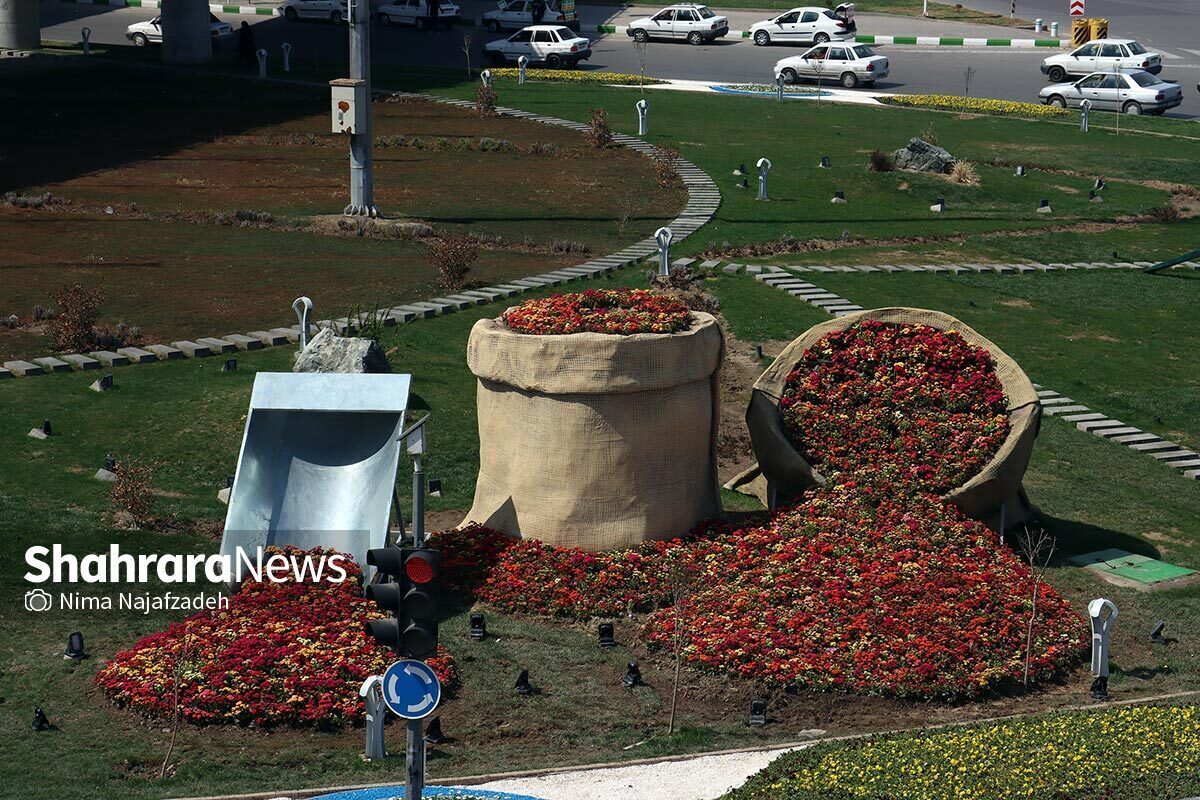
(1102, 626)
(779, 88)
(643, 108)
(486, 77)
(1037, 25)
(372, 694)
(262, 63)
(764, 166)
(522, 63)
(287, 56)
(664, 236)
(86, 33)
(1054, 29)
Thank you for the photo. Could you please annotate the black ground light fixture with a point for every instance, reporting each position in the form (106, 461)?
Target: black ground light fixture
(40, 721)
(826, 163)
(75, 647)
(941, 201)
(840, 194)
(110, 462)
(230, 365)
(1158, 636)
(106, 382)
(745, 184)
(632, 676)
(229, 481)
(1099, 185)
(758, 352)
(433, 732)
(1020, 172)
(741, 169)
(478, 627)
(522, 686)
(46, 429)
(435, 487)
(1044, 203)
(1099, 689)
(758, 712)
(605, 634)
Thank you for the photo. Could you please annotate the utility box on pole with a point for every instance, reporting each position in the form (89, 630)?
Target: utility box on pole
(348, 99)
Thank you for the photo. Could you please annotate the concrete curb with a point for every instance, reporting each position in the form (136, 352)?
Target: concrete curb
(257, 11)
(958, 41)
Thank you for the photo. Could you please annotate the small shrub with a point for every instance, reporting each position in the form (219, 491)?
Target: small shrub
(29, 201)
(79, 308)
(485, 100)
(1168, 212)
(106, 337)
(880, 161)
(131, 493)
(964, 172)
(929, 136)
(599, 133)
(453, 256)
(665, 157)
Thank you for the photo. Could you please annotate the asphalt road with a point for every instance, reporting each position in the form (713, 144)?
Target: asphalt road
(997, 72)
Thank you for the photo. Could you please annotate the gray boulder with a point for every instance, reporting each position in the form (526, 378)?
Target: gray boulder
(328, 352)
(922, 156)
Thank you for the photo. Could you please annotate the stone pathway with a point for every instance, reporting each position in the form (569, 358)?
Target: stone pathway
(703, 200)
(1173, 455)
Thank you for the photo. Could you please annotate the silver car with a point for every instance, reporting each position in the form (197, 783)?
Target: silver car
(1131, 92)
(849, 64)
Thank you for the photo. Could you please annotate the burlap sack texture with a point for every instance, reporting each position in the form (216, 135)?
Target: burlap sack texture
(780, 463)
(594, 440)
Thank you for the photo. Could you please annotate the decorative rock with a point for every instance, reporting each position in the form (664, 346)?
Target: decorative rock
(105, 475)
(327, 352)
(922, 156)
(194, 349)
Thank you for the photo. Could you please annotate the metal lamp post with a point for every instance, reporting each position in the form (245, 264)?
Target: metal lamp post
(664, 236)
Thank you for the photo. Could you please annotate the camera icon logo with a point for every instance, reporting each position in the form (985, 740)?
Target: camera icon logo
(38, 600)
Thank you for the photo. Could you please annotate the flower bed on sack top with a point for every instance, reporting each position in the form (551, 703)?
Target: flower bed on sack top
(617, 311)
(1145, 753)
(291, 653)
(872, 584)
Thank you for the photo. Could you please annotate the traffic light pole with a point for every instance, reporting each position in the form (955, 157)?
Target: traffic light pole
(414, 785)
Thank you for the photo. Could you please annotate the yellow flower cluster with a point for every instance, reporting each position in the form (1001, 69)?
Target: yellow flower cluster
(973, 105)
(576, 76)
(1136, 752)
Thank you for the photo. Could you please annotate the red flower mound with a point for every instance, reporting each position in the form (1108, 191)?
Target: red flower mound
(289, 653)
(919, 408)
(619, 311)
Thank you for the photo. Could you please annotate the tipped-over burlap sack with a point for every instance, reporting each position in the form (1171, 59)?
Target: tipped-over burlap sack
(596, 440)
(782, 467)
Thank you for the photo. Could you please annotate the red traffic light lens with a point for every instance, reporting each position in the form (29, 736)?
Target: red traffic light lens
(418, 569)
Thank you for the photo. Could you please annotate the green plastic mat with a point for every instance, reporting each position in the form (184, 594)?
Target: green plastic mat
(1129, 565)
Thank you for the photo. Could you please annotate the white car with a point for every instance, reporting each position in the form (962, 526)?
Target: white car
(811, 25)
(695, 23)
(1133, 92)
(554, 45)
(849, 64)
(1099, 56)
(333, 10)
(150, 32)
(416, 13)
(517, 14)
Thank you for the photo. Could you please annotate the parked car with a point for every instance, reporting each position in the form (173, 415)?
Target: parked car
(554, 45)
(811, 25)
(695, 23)
(516, 14)
(150, 32)
(849, 64)
(1131, 92)
(333, 10)
(1100, 55)
(416, 13)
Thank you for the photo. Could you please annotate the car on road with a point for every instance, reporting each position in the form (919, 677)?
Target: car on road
(332, 10)
(849, 64)
(417, 13)
(556, 46)
(693, 23)
(516, 14)
(811, 25)
(1130, 92)
(150, 31)
(1100, 55)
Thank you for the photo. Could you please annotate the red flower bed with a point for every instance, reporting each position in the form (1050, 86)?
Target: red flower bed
(280, 654)
(620, 311)
(919, 408)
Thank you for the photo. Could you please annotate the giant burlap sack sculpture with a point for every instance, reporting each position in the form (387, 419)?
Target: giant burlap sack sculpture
(781, 465)
(596, 440)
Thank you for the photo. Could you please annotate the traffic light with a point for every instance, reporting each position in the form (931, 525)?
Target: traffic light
(408, 591)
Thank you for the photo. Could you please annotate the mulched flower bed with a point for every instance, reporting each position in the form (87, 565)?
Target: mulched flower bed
(619, 311)
(281, 654)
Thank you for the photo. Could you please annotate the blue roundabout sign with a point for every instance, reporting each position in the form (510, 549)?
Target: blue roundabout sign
(411, 689)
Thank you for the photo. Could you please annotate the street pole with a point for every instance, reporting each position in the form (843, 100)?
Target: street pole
(418, 515)
(414, 783)
(362, 194)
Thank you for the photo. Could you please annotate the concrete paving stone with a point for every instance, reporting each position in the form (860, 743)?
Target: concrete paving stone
(821, 268)
(1134, 438)
(909, 268)
(810, 296)
(24, 368)
(109, 358)
(514, 287)
(753, 269)
(192, 349)
(1108, 433)
(845, 307)
(1047, 393)
(244, 342)
(795, 268)
(138, 354)
(1023, 268)
(1126, 265)
(934, 268)
(292, 334)
(842, 268)
(709, 264)
(164, 352)
(217, 345)
(732, 269)
(1054, 411)
(889, 268)
(81, 362)
(486, 294)
(1002, 269)
(1088, 417)
(1149, 446)
(468, 299)
(52, 364)
(273, 339)
(683, 262)
(977, 268)
(956, 269)
(439, 307)
(1058, 400)
(866, 268)
(834, 301)
(400, 316)
(1188, 464)
(793, 284)
(1194, 474)
(1096, 425)
(1174, 455)
(1145, 264)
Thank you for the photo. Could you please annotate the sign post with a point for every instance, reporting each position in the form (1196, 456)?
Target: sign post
(1077, 8)
(412, 691)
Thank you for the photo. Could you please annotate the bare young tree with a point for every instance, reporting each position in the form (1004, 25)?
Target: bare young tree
(1037, 546)
(182, 657)
(466, 48)
(639, 49)
(681, 591)
(968, 74)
